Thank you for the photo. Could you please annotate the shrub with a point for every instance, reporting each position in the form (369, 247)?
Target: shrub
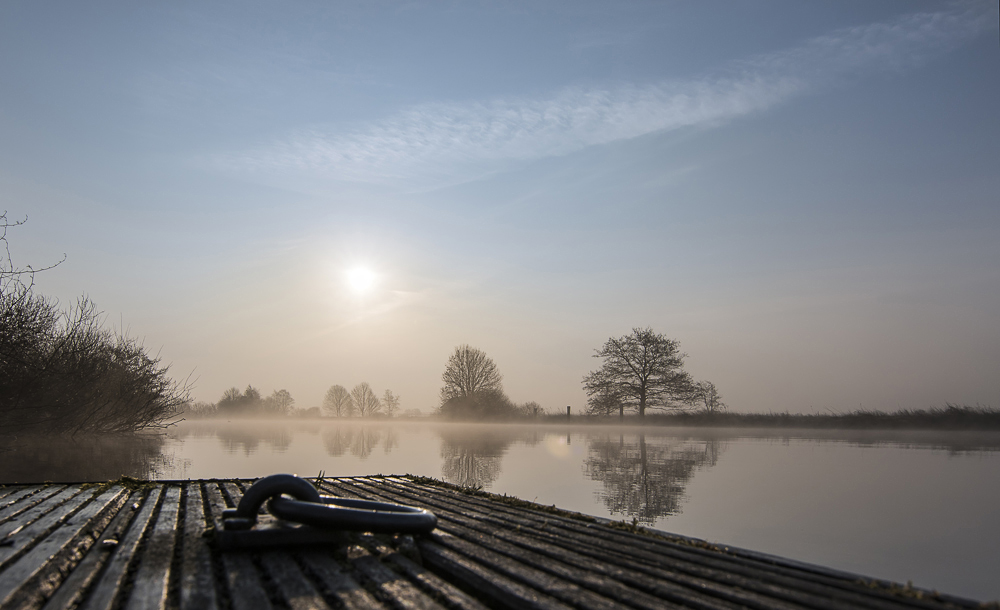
(62, 371)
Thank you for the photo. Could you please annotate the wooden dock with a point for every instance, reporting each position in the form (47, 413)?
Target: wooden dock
(142, 545)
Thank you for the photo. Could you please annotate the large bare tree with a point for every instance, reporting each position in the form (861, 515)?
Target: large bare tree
(365, 400)
(470, 372)
(338, 402)
(640, 370)
(473, 387)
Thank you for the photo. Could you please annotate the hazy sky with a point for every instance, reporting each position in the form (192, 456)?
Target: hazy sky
(806, 195)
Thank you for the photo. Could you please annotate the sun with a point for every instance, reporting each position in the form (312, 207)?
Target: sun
(361, 279)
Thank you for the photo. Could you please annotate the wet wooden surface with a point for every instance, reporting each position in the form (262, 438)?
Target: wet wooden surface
(132, 545)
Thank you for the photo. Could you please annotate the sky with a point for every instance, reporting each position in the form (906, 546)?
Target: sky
(805, 195)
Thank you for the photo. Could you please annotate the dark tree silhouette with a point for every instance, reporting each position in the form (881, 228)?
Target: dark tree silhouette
(64, 372)
(470, 372)
(473, 387)
(641, 370)
(710, 398)
(236, 403)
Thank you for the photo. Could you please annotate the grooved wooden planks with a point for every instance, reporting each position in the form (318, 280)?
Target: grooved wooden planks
(152, 546)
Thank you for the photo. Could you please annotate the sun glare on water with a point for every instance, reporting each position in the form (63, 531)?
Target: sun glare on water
(361, 279)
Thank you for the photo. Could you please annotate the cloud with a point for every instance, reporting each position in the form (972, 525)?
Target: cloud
(444, 142)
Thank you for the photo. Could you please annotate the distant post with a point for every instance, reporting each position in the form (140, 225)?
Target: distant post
(567, 412)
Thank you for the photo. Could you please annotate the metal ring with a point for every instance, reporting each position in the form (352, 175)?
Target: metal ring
(244, 516)
(351, 514)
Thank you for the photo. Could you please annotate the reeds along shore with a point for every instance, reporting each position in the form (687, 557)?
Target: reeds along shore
(949, 417)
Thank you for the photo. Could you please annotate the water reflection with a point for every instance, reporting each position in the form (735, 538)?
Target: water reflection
(874, 496)
(33, 459)
(472, 462)
(360, 442)
(643, 472)
(246, 439)
(338, 441)
(472, 456)
(644, 479)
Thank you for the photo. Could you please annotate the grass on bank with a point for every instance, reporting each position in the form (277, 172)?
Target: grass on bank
(949, 417)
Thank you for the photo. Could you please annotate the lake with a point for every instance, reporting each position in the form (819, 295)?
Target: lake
(902, 505)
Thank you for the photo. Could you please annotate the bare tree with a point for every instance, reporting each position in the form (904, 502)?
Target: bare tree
(643, 369)
(473, 387)
(470, 372)
(338, 402)
(365, 400)
(390, 403)
(709, 395)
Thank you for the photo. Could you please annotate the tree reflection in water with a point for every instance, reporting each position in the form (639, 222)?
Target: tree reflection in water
(359, 441)
(391, 440)
(646, 480)
(473, 457)
(365, 441)
(33, 459)
(337, 441)
(247, 438)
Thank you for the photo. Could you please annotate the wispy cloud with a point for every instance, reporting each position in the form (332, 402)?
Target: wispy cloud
(449, 141)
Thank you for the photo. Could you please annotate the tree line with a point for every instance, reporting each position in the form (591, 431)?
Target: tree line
(361, 401)
(247, 403)
(640, 371)
(64, 371)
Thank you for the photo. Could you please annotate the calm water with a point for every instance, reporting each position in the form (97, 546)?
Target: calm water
(918, 506)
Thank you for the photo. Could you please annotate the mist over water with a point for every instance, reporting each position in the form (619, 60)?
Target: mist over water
(902, 505)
